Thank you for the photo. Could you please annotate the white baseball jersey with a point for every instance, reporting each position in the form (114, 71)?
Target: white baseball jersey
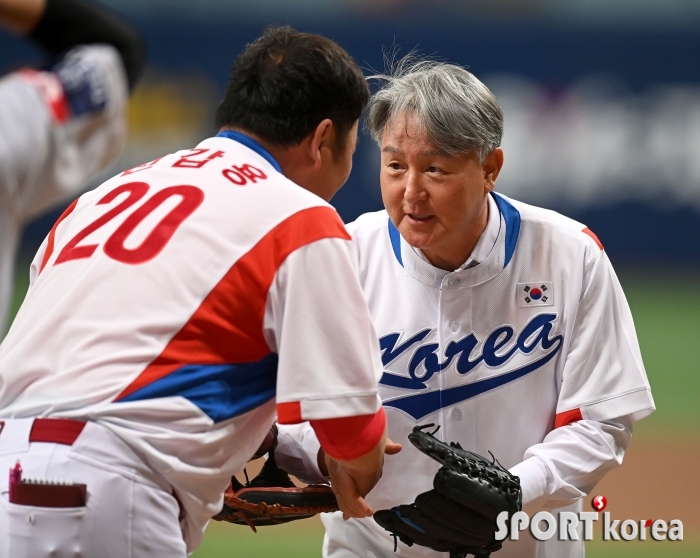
(531, 354)
(57, 129)
(179, 301)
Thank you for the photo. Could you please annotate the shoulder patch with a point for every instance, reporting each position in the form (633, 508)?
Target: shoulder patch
(590, 233)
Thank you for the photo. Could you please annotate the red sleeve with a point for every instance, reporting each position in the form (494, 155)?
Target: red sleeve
(348, 438)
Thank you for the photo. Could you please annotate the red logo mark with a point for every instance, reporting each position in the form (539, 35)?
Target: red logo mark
(649, 522)
(599, 503)
(241, 175)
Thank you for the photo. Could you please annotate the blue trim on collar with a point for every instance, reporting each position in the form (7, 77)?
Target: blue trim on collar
(251, 144)
(510, 215)
(395, 237)
(512, 219)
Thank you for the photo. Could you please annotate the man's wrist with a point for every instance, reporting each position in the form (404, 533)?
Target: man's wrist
(321, 461)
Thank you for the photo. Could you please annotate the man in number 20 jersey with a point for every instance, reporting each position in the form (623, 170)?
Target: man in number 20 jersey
(175, 309)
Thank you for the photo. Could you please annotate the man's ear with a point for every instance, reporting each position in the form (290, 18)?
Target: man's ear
(321, 138)
(492, 167)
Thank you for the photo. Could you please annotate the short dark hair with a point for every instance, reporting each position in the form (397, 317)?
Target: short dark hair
(286, 82)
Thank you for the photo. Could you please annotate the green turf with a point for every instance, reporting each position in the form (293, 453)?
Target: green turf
(301, 539)
(666, 313)
(21, 284)
(642, 549)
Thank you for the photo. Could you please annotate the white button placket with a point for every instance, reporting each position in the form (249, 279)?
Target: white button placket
(440, 434)
(446, 325)
(456, 320)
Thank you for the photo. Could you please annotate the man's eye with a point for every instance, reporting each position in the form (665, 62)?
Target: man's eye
(433, 168)
(394, 166)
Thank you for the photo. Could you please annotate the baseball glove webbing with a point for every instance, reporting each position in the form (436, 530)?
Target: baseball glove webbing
(459, 515)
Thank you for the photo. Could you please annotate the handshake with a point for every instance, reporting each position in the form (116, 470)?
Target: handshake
(271, 497)
(457, 516)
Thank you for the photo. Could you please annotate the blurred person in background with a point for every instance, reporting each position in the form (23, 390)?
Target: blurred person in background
(501, 322)
(61, 124)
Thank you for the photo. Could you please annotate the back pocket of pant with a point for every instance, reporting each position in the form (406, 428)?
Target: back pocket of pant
(38, 532)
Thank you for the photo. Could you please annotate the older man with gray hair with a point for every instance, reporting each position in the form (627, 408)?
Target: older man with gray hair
(501, 322)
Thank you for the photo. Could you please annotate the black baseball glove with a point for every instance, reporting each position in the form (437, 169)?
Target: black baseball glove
(459, 514)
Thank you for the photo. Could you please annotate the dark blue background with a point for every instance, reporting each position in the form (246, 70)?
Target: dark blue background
(554, 55)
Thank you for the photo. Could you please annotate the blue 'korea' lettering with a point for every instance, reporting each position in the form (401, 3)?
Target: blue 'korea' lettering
(498, 348)
(425, 362)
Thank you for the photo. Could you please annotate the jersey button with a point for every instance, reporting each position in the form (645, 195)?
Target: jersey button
(454, 326)
(456, 413)
(453, 281)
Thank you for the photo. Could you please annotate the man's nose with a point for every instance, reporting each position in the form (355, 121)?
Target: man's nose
(414, 191)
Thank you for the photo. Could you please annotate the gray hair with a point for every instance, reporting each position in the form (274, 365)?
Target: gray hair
(457, 112)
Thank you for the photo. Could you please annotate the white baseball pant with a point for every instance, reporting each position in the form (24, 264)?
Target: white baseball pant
(129, 512)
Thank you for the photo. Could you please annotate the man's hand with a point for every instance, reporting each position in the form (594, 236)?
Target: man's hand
(268, 444)
(351, 481)
(344, 486)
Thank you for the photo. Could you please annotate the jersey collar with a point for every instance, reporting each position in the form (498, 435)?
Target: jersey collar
(498, 257)
(250, 143)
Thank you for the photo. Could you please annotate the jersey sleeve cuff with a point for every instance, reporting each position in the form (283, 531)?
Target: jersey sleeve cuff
(348, 438)
(635, 404)
(534, 475)
(294, 412)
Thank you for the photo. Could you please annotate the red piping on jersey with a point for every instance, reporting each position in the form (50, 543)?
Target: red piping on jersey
(590, 233)
(348, 438)
(289, 413)
(52, 234)
(567, 417)
(228, 325)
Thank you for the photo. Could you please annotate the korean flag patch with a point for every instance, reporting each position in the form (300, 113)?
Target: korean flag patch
(535, 294)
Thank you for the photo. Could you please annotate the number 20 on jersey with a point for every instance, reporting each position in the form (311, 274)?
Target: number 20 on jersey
(190, 199)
